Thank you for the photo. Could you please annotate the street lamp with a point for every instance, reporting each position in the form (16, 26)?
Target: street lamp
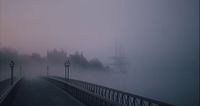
(12, 64)
(47, 70)
(20, 69)
(67, 64)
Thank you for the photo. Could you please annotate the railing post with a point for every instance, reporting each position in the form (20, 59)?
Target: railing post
(122, 99)
(113, 95)
(141, 102)
(128, 100)
(109, 95)
(117, 97)
(149, 103)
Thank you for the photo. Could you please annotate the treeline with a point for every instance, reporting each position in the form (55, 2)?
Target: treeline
(53, 57)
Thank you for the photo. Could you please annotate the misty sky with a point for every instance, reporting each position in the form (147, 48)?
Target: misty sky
(93, 26)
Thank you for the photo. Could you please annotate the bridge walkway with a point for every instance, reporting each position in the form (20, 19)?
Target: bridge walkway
(39, 92)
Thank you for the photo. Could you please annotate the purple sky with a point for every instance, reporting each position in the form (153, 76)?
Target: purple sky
(38, 25)
(94, 26)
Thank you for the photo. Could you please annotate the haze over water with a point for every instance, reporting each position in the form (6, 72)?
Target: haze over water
(160, 40)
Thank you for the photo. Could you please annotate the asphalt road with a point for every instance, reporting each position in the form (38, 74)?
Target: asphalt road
(39, 92)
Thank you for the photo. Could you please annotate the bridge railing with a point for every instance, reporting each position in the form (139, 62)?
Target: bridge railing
(7, 91)
(83, 95)
(3, 85)
(116, 96)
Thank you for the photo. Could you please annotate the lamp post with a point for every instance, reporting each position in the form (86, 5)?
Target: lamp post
(12, 64)
(47, 70)
(67, 64)
(20, 70)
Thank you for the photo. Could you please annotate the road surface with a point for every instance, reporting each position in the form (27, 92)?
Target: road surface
(39, 92)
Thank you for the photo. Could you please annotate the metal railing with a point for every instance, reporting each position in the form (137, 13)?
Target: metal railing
(86, 97)
(115, 96)
(8, 92)
(3, 85)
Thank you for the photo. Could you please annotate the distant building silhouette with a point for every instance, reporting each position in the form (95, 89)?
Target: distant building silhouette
(56, 56)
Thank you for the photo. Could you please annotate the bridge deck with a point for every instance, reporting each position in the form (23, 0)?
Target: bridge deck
(38, 92)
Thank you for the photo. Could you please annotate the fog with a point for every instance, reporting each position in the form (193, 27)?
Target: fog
(167, 85)
(159, 39)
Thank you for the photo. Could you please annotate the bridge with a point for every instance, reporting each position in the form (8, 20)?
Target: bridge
(57, 91)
